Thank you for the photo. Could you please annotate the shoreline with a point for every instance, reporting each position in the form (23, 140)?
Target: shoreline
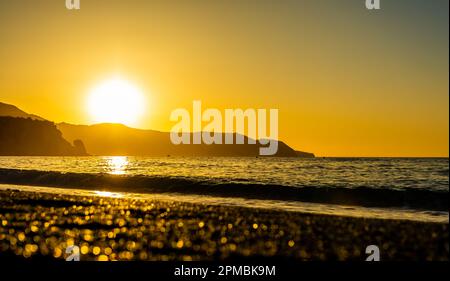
(39, 224)
(266, 204)
(360, 196)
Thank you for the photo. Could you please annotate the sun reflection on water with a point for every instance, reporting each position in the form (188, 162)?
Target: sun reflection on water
(117, 165)
(108, 194)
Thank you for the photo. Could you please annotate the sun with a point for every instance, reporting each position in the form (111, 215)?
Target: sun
(116, 101)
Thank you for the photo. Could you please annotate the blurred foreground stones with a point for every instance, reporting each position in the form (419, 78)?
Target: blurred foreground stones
(42, 225)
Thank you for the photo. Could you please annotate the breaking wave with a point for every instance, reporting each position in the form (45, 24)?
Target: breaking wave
(365, 196)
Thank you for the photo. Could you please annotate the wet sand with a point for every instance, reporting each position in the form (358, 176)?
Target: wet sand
(41, 225)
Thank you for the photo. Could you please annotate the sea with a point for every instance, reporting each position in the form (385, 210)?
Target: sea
(384, 188)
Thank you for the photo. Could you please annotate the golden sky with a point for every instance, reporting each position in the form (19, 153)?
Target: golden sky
(347, 81)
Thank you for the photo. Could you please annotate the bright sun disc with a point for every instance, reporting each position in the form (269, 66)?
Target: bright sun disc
(116, 101)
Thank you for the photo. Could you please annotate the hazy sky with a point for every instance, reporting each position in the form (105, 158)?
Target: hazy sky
(347, 81)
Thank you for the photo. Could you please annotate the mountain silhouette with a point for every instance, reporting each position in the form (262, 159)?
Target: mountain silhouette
(117, 139)
(13, 111)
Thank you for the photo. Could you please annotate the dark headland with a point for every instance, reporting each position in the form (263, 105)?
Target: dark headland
(31, 137)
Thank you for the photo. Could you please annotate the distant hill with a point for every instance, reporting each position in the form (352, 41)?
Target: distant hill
(117, 139)
(13, 111)
(107, 139)
(28, 137)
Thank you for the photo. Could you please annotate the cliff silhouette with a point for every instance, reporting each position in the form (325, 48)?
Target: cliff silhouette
(30, 137)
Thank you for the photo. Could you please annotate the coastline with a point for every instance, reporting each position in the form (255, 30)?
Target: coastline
(42, 225)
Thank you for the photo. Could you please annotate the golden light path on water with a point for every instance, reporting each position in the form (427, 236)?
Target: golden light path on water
(109, 194)
(117, 165)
